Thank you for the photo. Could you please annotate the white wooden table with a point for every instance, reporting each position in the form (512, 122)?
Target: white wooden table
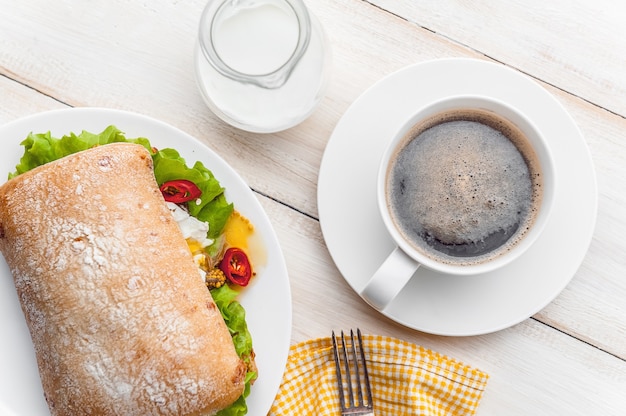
(568, 359)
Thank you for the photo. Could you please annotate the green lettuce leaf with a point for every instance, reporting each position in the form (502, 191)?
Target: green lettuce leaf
(235, 317)
(212, 207)
(41, 148)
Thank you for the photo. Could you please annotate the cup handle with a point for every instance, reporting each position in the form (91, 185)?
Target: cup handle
(389, 279)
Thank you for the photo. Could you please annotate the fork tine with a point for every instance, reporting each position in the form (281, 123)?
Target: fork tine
(355, 358)
(347, 366)
(368, 389)
(342, 399)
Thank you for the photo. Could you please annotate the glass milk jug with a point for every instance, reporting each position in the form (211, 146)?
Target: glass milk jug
(261, 65)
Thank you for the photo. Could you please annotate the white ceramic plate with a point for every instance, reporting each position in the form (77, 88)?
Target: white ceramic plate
(432, 302)
(269, 321)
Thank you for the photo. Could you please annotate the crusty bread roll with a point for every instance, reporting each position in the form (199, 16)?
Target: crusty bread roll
(119, 317)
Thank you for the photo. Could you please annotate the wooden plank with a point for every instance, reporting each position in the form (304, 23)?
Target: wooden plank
(574, 45)
(54, 54)
(19, 101)
(592, 306)
(104, 59)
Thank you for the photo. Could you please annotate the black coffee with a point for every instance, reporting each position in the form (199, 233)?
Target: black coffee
(464, 186)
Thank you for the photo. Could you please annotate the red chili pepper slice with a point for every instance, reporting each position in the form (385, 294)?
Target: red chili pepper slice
(180, 190)
(236, 266)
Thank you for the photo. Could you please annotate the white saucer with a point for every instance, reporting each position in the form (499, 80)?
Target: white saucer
(433, 302)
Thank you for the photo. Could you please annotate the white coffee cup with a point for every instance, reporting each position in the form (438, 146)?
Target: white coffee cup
(398, 268)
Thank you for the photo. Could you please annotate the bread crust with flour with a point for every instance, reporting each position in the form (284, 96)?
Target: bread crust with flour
(120, 319)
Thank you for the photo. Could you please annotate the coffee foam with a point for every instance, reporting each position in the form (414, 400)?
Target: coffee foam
(466, 183)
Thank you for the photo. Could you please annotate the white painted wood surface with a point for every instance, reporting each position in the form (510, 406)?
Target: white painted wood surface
(568, 359)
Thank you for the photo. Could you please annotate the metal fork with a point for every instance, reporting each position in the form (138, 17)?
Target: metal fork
(348, 356)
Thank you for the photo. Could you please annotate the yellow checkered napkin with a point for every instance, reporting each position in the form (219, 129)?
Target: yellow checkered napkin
(406, 380)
